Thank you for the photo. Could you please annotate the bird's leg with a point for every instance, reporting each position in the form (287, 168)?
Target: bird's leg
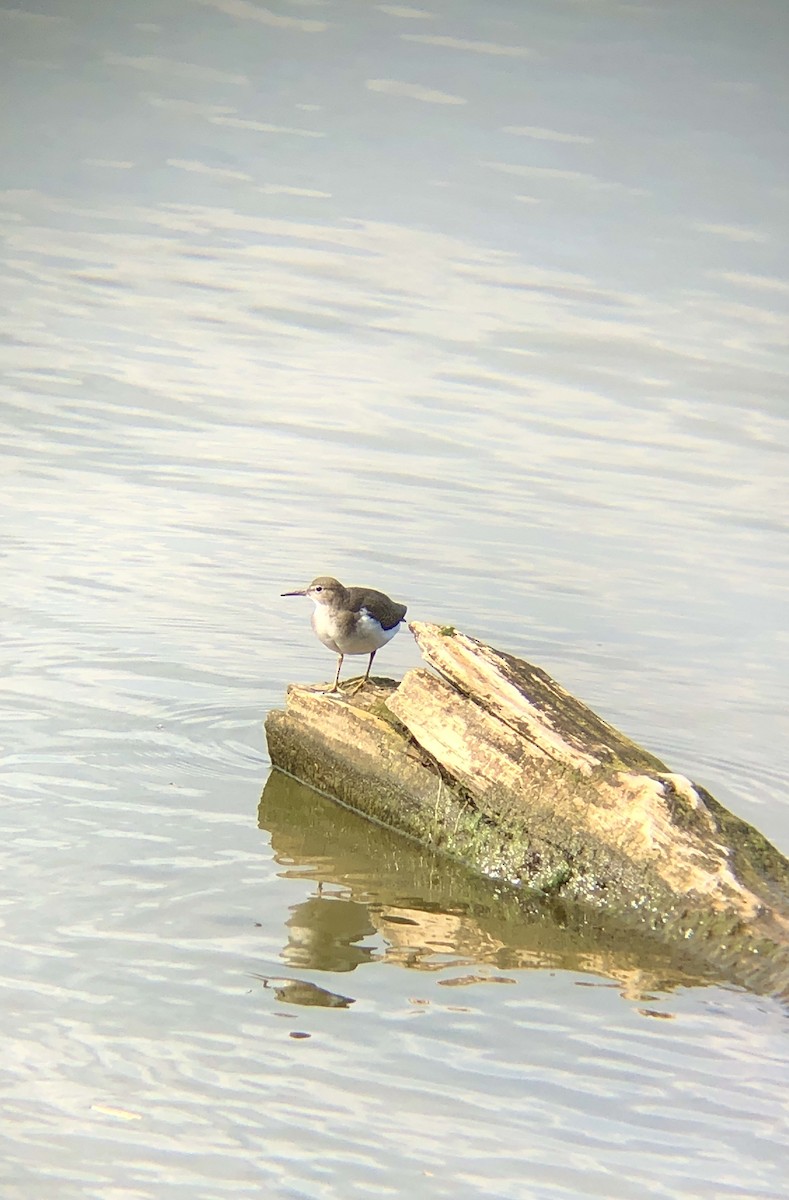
(336, 685)
(358, 684)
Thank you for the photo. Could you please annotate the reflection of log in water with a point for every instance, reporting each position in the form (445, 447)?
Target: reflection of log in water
(429, 913)
(493, 763)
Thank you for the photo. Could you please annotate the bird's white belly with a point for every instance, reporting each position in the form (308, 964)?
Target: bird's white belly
(366, 636)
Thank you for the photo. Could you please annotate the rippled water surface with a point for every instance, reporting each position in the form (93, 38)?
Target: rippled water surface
(484, 304)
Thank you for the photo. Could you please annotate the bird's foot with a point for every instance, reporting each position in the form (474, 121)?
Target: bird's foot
(352, 686)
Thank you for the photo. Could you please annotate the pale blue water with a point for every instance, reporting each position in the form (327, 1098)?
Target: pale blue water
(484, 305)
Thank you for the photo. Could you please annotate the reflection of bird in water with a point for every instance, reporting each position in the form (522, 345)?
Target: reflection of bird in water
(299, 991)
(323, 932)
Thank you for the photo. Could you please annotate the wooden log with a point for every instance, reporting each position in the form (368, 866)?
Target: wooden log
(486, 758)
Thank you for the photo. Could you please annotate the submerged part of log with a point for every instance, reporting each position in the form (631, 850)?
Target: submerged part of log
(433, 913)
(494, 763)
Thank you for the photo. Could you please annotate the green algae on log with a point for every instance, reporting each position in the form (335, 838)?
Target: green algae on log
(487, 759)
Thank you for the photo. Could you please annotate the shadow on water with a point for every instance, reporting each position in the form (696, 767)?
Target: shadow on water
(431, 913)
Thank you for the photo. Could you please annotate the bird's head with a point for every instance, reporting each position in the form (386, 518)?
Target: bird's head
(323, 590)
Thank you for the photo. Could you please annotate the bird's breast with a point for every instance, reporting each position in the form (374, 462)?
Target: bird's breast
(325, 628)
(349, 632)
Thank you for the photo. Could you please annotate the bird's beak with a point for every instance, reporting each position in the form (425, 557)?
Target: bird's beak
(303, 592)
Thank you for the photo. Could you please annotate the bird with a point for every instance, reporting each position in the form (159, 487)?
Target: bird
(351, 620)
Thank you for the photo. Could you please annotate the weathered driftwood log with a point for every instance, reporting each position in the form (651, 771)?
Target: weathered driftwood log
(486, 758)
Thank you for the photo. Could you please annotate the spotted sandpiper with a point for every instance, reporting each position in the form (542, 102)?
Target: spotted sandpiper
(351, 620)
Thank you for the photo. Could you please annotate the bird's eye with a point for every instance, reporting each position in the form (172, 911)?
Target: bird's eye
(319, 589)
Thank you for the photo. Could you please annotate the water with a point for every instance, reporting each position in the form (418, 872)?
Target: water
(485, 305)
